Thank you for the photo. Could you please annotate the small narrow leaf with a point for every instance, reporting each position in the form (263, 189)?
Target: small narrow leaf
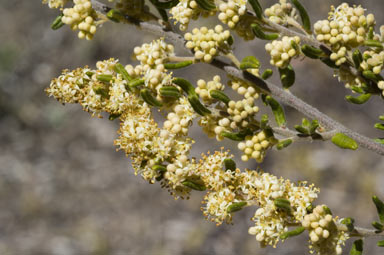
(327, 210)
(277, 110)
(378, 226)
(169, 91)
(314, 125)
(233, 136)
(373, 43)
(349, 223)
(292, 233)
(264, 121)
(185, 85)
(303, 15)
(259, 33)
(329, 63)
(229, 164)
(114, 116)
(249, 62)
(165, 5)
(357, 247)
(371, 75)
(380, 208)
(159, 168)
(302, 130)
(379, 140)
(220, 95)
(266, 74)
(311, 51)
(57, 23)
(381, 117)
(357, 58)
(283, 204)
(194, 185)
(237, 206)
(104, 77)
(287, 76)
(198, 106)
(115, 15)
(257, 8)
(149, 99)
(358, 100)
(380, 243)
(283, 144)
(379, 126)
(178, 65)
(136, 82)
(207, 5)
(344, 141)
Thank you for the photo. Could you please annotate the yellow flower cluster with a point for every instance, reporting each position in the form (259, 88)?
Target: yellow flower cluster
(279, 12)
(346, 26)
(231, 11)
(81, 17)
(339, 57)
(282, 51)
(204, 88)
(255, 147)
(206, 42)
(244, 89)
(373, 61)
(241, 112)
(324, 236)
(55, 3)
(180, 118)
(186, 10)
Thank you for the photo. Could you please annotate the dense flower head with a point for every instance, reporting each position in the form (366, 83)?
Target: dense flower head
(325, 237)
(231, 11)
(207, 42)
(55, 3)
(204, 88)
(186, 10)
(282, 51)
(346, 26)
(281, 12)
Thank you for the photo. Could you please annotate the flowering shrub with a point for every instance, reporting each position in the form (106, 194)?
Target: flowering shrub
(346, 42)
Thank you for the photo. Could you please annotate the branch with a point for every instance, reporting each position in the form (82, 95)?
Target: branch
(268, 87)
(359, 231)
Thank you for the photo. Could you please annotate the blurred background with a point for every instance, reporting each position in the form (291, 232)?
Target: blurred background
(64, 190)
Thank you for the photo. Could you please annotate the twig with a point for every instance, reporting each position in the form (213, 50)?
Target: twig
(268, 87)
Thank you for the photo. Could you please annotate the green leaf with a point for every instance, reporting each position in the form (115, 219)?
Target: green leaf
(229, 164)
(257, 8)
(302, 130)
(169, 91)
(159, 168)
(327, 210)
(57, 23)
(165, 5)
(198, 106)
(237, 206)
(358, 100)
(119, 68)
(303, 15)
(163, 13)
(283, 204)
(104, 77)
(149, 99)
(381, 117)
(292, 233)
(240, 136)
(357, 58)
(259, 33)
(115, 15)
(311, 51)
(344, 141)
(380, 243)
(349, 223)
(277, 110)
(373, 43)
(266, 74)
(287, 76)
(264, 121)
(219, 95)
(329, 63)
(249, 62)
(283, 144)
(379, 140)
(207, 5)
(114, 116)
(371, 75)
(314, 125)
(194, 185)
(379, 126)
(380, 208)
(178, 65)
(136, 82)
(357, 247)
(185, 85)
(378, 226)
